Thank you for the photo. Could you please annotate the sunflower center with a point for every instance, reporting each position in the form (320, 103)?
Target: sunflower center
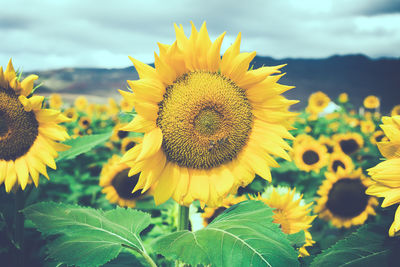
(205, 119)
(347, 198)
(124, 184)
(122, 134)
(349, 146)
(310, 157)
(130, 145)
(18, 128)
(336, 164)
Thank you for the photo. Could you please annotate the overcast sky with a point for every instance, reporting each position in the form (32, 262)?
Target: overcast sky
(50, 34)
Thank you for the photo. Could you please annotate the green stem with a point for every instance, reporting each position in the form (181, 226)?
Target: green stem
(183, 224)
(19, 224)
(144, 254)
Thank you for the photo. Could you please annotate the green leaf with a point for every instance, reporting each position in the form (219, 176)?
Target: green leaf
(243, 235)
(298, 239)
(365, 247)
(82, 144)
(85, 236)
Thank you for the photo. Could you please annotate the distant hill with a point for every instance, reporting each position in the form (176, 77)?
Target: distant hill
(357, 75)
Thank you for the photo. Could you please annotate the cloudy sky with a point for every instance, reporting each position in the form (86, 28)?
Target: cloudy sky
(49, 34)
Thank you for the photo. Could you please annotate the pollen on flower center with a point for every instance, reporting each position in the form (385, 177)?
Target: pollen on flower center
(18, 128)
(205, 119)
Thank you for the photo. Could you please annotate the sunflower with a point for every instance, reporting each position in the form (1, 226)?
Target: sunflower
(81, 103)
(378, 136)
(129, 142)
(119, 132)
(386, 174)
(55, 101)
(210, 214)
(317, 102)
(327, 142)
(395, 111)
(343, 201)
(371, 102)
(125, 105)
(341, 160)
(71, 114)
(348, 143)
(367, 126)
(343, 98)
(290, 211)
(113, 108)
(28, 133)
(85, 122)
(210, 124)
(117, 185)
(310, 155)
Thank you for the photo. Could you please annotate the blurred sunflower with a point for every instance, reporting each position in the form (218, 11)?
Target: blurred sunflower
(55, 101)
(367, 126)
(291, 212)
(310, 155)
(343, 201)
(371, 102)
(317, 102)
(113, 108)
(85, 122)
(130, 142)
(348, 143)
(71, 114)
(125, 105)
(119, 133)
(210, 124)
(117, 185)
(327, 142)
(339, 159)
(385, 175)
(343, 98)
(395, 111)
(81, 103)
(28, 133)
(378, 136)
(210, 214)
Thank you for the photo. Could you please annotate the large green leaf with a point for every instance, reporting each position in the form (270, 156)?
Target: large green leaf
(243, 235)
(85, 236)
(82, 144)
(368, 246)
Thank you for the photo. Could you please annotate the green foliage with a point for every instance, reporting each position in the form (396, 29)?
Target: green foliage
(368, 246)
(243, 235)
(85, 236)
(82, 145)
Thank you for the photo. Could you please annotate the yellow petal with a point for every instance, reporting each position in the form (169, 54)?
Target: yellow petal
(11, 178)
(139, 124)
(27, 84)
(22, 172)
(151, 144)
(166, 183)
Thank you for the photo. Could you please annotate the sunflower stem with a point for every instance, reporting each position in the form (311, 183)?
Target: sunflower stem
(19, 224)
(183, 223)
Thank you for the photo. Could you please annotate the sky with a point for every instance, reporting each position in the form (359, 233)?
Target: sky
(47, 34)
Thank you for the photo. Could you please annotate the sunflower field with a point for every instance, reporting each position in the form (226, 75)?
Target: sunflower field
(202, 163)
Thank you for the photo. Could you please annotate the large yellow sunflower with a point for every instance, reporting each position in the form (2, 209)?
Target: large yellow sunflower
(385, 175)
(28, 133)
(117, 185)
(310, 155)
(348, 143)
(210, 124)
(290, 211)
(343, 200)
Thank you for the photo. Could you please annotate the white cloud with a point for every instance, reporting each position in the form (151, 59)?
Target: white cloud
(54, 34)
